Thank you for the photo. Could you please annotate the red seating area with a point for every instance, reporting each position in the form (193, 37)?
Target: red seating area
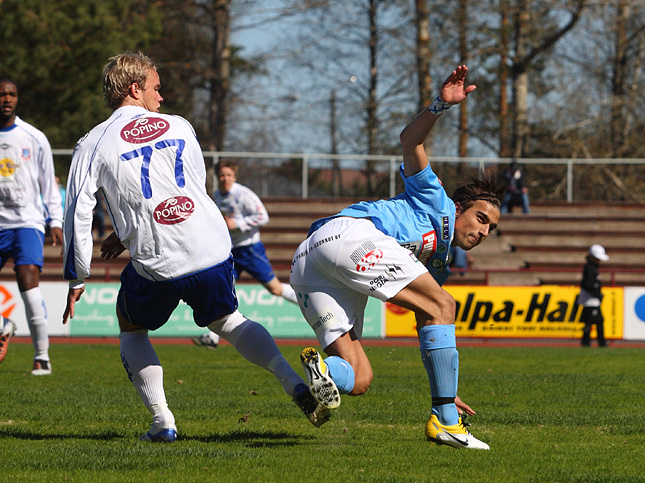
(547, 246)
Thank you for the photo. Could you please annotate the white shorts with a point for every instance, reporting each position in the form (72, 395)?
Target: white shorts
(341, 264)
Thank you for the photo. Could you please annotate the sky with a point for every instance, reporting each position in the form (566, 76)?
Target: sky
(298, 106)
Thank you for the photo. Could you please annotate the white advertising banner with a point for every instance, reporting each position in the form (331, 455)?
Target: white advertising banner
(103, 296)
(95, 313)
(55, 295)
(634, 313)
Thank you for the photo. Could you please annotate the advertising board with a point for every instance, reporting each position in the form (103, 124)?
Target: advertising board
(544, 311)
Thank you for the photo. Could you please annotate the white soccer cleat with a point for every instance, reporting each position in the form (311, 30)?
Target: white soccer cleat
(456, 435)
(322, 386)
(41, 368)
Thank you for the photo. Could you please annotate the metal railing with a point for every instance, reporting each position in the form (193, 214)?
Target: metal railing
(307, 175)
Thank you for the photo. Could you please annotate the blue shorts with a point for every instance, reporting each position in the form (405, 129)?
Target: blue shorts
(210, 293)
(253, 259)
(24, 245)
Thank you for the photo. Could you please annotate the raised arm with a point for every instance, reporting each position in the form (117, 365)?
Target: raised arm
(453, 91)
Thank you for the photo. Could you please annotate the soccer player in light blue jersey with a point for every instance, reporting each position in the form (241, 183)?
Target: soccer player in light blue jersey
(396, 250)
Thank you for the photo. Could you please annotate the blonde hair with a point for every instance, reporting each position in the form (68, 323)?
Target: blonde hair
(121, 72)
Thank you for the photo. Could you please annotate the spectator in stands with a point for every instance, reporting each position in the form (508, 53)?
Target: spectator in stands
(591, 296)
(397, 250)
(29, 200)
(517, 193)
(179, 245)
(244, 214)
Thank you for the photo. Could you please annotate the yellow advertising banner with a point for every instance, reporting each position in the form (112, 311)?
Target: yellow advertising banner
(544, 311)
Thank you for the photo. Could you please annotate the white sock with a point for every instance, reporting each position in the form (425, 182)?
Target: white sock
(256, 345)
(37, 320)
(144, 370)
(289, 294)
(213, 336)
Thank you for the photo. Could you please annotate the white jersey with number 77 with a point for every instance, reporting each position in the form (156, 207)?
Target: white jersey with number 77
(151, 170)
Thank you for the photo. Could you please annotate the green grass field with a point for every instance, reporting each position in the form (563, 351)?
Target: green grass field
(549, 415)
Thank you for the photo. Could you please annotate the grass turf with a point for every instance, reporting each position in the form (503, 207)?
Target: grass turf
(549, 415)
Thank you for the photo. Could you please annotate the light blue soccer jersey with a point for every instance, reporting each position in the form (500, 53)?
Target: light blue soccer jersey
(421, 219)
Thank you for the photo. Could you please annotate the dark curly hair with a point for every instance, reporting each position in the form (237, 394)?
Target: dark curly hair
(488, 186)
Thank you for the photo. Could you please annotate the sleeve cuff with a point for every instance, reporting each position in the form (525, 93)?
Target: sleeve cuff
(74, 284)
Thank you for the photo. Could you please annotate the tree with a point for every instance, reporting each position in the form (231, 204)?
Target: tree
(197, 60)
(627, 64)
(504, 49)
(610, 55)
(462, 19)
(371, 104)
(423, 56)
(177, 54)
(354, 49)
(200, 64)
(534, 35)
(221, 72)
(599, 73)
(55, 51)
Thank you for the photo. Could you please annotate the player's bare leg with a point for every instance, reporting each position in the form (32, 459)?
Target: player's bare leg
(434, 311)
(349, 348)
(281, 289)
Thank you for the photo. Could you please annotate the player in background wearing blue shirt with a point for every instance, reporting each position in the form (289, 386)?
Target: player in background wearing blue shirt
(244, 214)
(396, 250)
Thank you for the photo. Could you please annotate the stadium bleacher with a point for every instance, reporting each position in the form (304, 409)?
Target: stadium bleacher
(548, 246)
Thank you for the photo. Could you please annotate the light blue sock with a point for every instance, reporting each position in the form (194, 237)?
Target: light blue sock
(341, 372)
(439, 354)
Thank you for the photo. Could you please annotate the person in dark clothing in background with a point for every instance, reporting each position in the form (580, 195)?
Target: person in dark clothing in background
(517, 193)
(591, 296)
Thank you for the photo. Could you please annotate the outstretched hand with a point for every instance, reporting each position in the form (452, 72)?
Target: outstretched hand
(462, 407)
(453, 90)
(73, 296)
